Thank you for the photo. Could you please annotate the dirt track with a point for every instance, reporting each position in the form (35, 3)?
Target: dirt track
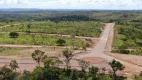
(104, 46)
(100, 50)
(63, 35)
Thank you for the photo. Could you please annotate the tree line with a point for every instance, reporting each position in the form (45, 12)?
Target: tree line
(48, 69)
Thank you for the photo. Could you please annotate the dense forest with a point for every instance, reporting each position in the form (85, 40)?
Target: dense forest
(46, 15)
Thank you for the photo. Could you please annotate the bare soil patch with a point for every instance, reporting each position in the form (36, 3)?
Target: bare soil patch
(134, 59)
(94, 60)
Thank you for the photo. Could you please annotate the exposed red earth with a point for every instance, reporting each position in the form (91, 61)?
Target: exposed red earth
(98, 56)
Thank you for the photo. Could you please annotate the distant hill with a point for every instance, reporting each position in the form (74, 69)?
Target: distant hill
(36, 9)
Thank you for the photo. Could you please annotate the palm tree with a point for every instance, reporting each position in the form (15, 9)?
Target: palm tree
(68, 54)
(38, 56)
(13, 65)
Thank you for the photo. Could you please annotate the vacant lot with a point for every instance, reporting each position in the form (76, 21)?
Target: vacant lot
(26, 52)
(81, 28)
(39, 39)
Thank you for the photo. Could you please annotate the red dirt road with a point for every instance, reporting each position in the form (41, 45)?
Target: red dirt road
(100, 50)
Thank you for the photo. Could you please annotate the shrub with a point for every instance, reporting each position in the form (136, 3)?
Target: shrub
(61, 42)
(13, 35)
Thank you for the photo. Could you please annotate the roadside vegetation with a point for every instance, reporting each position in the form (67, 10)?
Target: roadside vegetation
(50, 69)
(39, 39)
(128, 38)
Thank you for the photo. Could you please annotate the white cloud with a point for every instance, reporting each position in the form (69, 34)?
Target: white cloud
(73, 4)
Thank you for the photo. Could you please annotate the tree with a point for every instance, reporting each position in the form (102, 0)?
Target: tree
(83, 64)
(68, 54)
(25, 75)
(11, 21)
(28, 28)
(72, 36)
(61, 42)
(93, 72)
(7, 74)
(13, 35)
(115, 65)
(49, 63)
(38, 56)
(13, 65)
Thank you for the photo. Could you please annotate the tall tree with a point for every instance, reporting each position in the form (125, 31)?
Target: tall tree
(68, 55)
(7, 74)
(28, 28)
(13, 65)
(26, 75)
(93, 72)
(115, 65)
(84, 65)
(38, 56)
(11, 21)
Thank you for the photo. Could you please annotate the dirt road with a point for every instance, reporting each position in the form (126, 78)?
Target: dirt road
(100, 50)
(104, 46)
(61, 35)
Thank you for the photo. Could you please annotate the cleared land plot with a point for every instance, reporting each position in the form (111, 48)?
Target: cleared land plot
(38, 39)
(81, 28)
(26, 52)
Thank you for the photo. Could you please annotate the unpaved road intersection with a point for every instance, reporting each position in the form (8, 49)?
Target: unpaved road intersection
(101, 50)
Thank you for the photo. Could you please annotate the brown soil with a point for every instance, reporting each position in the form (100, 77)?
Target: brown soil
(94, 60)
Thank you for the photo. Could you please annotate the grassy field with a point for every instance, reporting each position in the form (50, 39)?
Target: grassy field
(80, 28)
(39, 39)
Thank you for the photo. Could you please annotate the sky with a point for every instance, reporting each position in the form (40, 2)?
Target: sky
(73, 4)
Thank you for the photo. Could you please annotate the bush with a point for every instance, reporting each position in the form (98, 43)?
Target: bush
(13, 35)
(61, 42)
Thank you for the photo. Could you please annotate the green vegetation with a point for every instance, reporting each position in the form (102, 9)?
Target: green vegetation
(39, 39)
(38, 56)
(116, 66)
(35, 26)
(61, 42)
(13, 35)
(13, 65)
(128, 38)
(80, 28)
(63, 15)
(50, 71)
